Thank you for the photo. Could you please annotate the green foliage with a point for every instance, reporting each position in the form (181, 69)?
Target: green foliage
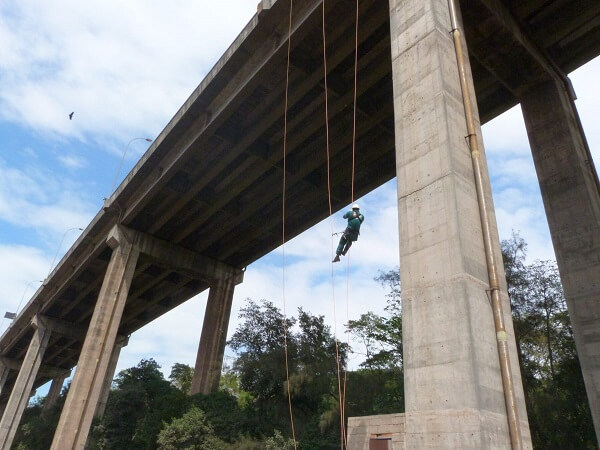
(223, 413)
(141, 401)
(375, 391)
(278, 442)
(557, 405)
(190, 432)
(230, 383)
(381, 336)
(313, 366)
(181, 377)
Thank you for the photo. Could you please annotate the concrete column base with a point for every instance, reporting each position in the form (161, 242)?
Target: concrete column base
(449, 429)
(386, 426)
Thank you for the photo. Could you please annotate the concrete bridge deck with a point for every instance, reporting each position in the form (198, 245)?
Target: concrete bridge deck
(211, 182)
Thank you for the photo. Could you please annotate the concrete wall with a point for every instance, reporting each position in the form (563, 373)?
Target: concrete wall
(361, 429)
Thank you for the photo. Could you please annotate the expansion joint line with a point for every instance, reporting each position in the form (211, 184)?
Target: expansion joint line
(337, 349)
(285, 331)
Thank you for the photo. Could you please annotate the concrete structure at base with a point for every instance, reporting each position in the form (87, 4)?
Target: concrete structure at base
(451, 366)
(205, 201)
(366, 432)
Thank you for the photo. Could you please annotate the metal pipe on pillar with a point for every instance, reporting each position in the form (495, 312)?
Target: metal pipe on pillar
(501, 336)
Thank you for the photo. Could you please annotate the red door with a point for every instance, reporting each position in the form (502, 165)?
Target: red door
(380, 444)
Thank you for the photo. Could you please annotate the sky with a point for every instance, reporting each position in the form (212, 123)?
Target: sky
(124, 69)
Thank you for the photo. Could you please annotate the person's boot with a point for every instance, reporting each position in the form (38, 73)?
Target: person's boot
(336, 259)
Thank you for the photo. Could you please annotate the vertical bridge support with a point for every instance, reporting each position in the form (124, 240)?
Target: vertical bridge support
(572, 201)
(21, 391)
(121, 342)
(209, 361)
(76, 418)
(54, 392)
(453, 387)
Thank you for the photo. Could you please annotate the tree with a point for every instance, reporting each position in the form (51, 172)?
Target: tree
(181, 377)
(260, 342)
(381, 336)
(313, 366)
(557, 405)
(141, 401)
(190, 432)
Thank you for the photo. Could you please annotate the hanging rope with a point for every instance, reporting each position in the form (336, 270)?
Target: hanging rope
(287, 369)
(352, 201)
(337, 350)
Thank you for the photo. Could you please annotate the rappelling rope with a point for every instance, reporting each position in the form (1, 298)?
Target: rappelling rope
(287, 370)
(352, 201)
(337, 350)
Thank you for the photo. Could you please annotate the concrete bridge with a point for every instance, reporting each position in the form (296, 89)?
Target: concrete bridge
(205, 201)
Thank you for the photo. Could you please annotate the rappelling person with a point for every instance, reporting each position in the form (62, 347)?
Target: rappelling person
(350, 234)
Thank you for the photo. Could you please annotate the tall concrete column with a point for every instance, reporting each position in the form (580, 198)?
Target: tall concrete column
(54, 392)
(214, 334)
(23, 385)
(4, 371)
(453, 388)
(110, 374)
(572, 203)
(80, 405)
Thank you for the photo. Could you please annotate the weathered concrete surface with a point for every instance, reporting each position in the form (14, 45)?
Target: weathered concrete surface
(362, 429)
(572, 203)
(110, 374)
(453, 387)
(81, 402)
(214, 335)
(21, 391)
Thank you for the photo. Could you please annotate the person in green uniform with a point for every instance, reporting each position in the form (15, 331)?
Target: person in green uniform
(350, 234)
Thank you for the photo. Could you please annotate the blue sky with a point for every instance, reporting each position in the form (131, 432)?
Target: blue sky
(124, 69)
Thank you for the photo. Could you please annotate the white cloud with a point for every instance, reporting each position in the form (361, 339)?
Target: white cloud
(36, 198)
(587, 88)
(73, 161)
(21, 269)
(506, 135)
(123, 68)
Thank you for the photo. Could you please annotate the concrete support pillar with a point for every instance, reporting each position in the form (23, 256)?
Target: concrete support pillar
(110, 374)
(54, 392)
(80, 405)
(23, 385)
(453, 388)
(572, 202)
(214, 334)
(4, 371)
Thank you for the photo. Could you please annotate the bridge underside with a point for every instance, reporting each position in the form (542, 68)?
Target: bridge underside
(212, 181)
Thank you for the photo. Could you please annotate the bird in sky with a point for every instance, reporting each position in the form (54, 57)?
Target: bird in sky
(71, 115)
